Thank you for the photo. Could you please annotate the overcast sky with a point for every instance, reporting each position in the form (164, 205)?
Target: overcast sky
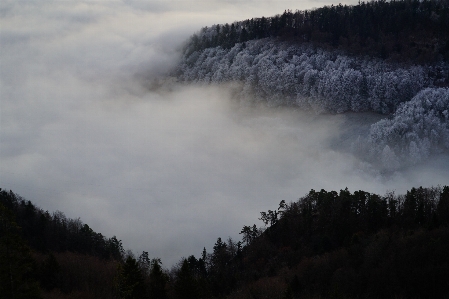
(165, 170)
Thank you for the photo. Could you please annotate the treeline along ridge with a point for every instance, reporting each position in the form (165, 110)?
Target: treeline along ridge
(326, 244)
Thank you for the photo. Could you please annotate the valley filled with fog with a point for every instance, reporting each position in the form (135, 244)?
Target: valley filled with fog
(92, 125)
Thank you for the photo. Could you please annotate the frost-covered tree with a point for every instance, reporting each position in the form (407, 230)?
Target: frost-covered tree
(309, 77)
(418, 128)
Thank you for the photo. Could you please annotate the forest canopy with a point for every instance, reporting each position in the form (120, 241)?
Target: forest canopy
(326, 244)
(383, 57)
(399, 30)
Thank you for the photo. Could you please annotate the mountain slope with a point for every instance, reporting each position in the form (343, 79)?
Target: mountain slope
(398, 30)
(326, 244)
(341, 59)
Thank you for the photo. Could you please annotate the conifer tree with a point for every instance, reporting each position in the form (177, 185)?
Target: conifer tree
(17, 267)
(158, 280)
(130, 281)
(185, 285)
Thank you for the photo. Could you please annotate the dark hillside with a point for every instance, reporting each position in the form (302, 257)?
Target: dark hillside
(53, 256)
(325, 245)
(336, 245)
(414, 31)
(384, 57)
(55, 232)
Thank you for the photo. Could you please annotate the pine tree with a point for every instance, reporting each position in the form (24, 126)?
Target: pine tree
(185, 286)
(158, 280)
(130, 281)
(17, 267)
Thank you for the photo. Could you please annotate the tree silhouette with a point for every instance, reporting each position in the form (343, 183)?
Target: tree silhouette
(130, 281)
(158, 280)
(185, 285)
(17, 267)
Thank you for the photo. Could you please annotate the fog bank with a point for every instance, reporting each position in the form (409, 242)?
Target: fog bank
(167, 170)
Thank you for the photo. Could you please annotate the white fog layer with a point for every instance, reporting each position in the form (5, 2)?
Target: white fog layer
(168, 168)
(279, 73)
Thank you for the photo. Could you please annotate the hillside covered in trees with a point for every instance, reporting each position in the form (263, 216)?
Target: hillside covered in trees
(405, 30)
(381, 57)
(326, 244)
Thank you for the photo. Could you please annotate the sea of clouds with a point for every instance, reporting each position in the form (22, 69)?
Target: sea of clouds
(165, 167)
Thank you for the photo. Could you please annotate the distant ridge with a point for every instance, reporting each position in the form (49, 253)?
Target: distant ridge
(406, 30)
(372, 57)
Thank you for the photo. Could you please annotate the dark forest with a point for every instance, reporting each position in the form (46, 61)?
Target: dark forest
(326, 244)
(397, 30)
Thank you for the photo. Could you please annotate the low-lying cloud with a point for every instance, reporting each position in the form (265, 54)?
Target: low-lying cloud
(167, 170)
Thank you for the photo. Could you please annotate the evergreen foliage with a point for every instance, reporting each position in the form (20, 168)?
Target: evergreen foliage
(130, 280)
(400, 30)
(337, 244)
(55, 232)
(17, 267)
(343, 244)
(158, 280)
(185, 285)
(326, 244)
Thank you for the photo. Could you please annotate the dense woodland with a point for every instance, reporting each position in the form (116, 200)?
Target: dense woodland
(325, 245)
(417, 129)
(399, 30)
(327, 59)
(383, 57)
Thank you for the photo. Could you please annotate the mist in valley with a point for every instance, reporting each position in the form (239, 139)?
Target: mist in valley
(90, 125)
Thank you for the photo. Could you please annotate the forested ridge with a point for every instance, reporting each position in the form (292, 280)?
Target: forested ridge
(384, 57)
(327, 244)
(308, 58)
(400, 30)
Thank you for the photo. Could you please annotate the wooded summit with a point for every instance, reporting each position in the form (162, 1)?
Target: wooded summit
(390, 58)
